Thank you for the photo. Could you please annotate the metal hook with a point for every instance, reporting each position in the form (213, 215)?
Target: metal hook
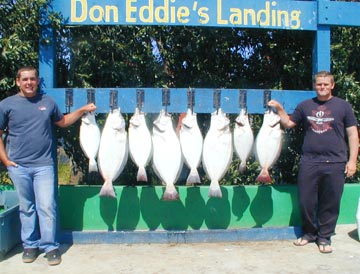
(190, 99)
(216, 99)
(242, 99)
(90, 96)
(69, 99)
(267, 98)
(113, 99)
(165, 97)
(140, 98)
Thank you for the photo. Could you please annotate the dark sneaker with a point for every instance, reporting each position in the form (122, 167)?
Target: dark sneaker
(53, 257)
(30, 255)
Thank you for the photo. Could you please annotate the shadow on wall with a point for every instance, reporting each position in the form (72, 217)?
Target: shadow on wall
(141, 208)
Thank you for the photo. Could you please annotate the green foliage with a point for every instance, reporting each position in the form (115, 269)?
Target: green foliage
(19, 39)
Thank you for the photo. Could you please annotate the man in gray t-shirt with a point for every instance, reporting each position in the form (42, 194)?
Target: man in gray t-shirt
(30, 155)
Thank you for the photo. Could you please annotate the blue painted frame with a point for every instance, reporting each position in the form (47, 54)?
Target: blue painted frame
(318, 16)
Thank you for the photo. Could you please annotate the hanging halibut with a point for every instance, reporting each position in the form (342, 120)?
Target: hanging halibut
(243, 139)
(167, 158)
(191, 142)
(268, 144)
(217, 151)
(140, 143)
(113, 151)
(90, 139)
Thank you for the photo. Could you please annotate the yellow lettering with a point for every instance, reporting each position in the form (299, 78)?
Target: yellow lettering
(183, 14)
(249, 13)
(83, 10)
(219, 12)
(204, 16)
(283, 16)
(115, 13)
(149, 10)
(273, 15)
(100, 13)
(266, 15)
(172, 14)
(235, 16)
(129, 10)
(164, 10)
(295, 19)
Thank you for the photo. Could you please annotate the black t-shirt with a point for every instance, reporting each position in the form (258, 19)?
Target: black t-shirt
(325, 124)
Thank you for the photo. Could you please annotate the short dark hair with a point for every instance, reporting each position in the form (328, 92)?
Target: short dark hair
(26, 68)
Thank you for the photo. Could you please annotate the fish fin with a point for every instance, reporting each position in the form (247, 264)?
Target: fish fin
(215, 190)
(107, 190)
(193, 177)
(264, 176)
(170, 193)
(141, 175)
(242, 167)
(92, 165)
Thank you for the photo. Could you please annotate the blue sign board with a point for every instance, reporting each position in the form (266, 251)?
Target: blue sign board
(280, 14)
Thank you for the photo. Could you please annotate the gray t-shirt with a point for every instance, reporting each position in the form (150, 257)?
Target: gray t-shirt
(29, 122)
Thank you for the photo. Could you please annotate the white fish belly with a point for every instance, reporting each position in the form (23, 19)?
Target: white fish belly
(89, 137)
(113, 154)
(113, 150)
(268, 141)
(140, 144)
(217, 154)
(191, 142)
(167, 158)
(243, 141)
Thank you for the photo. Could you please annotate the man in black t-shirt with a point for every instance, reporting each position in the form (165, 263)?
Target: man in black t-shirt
(329, 154)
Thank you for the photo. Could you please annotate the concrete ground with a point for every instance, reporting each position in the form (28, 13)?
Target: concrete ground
(279, 256)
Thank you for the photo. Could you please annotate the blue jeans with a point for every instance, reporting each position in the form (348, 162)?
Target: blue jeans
(36, 188)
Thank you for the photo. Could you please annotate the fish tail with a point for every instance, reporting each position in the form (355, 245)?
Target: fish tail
(170, 193)
(264, 176)
(215, 190)
(107, 190)
(92, 166)
(141, 175)
(242, 167)
(193, 177)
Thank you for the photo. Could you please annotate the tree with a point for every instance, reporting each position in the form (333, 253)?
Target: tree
(19, 39)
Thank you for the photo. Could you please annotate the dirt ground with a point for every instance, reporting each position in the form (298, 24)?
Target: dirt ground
(230, 258)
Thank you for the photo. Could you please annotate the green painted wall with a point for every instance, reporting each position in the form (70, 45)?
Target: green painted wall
(141, 208)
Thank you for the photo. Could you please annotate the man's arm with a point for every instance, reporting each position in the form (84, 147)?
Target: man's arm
(284, 117)
(353, 140)
(72, 117)
(3, 155)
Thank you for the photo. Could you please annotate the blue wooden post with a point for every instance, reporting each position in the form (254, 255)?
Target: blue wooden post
(321, 49)
(47, 55)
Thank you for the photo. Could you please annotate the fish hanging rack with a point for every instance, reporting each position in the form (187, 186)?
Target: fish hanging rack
(175, 100)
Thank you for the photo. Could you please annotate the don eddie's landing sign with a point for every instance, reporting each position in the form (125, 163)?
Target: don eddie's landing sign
(280, 14)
